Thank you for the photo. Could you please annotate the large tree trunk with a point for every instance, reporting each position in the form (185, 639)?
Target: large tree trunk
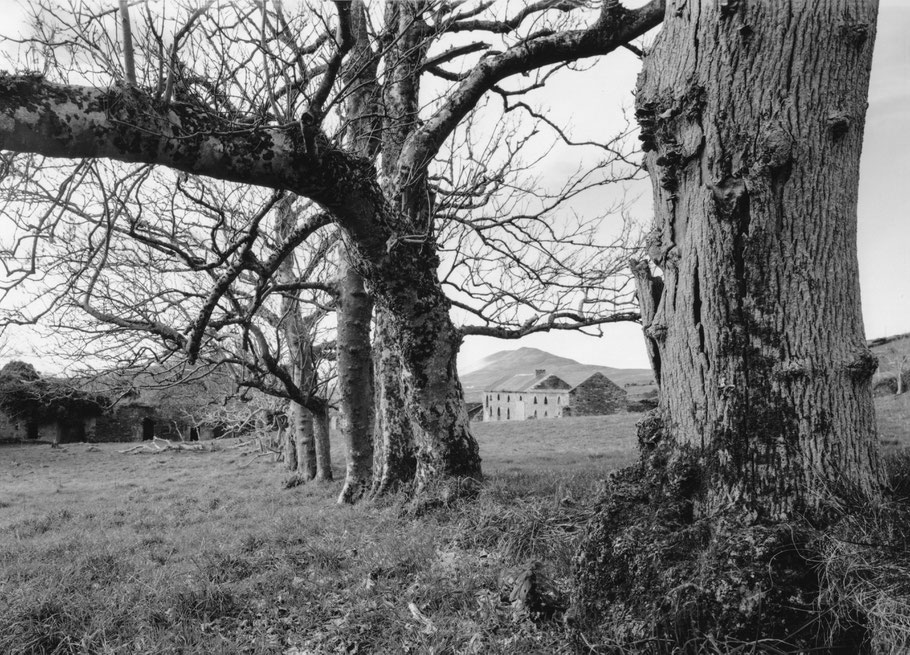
(394, 453)
(448, 462)
(355, 381)
(409, 296)
(752, 119)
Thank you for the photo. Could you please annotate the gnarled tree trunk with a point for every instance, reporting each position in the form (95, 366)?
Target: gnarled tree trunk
(394, 456)
(427, 342)
(751, 118)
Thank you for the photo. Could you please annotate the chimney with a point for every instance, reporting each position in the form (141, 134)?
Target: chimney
(540, 372)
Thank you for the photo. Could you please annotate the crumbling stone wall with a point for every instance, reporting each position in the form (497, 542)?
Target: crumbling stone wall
(125, 423)
(595, 396)
(11, 430)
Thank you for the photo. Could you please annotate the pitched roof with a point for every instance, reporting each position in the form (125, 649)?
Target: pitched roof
(522, 382)
(519, 382)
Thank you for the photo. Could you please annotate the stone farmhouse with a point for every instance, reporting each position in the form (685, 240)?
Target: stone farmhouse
(544, 395)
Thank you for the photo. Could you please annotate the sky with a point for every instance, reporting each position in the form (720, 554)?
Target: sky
(596, 110)
(884, 228)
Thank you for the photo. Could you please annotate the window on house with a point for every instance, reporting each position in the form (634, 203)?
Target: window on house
(508, 413)
(558, 400)
(498, 413)
(544, 400)
(508, 399)
(545, 415)
(519, 398)
(497, 396)
(535, 401)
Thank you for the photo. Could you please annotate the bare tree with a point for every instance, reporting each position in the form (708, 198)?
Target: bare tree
(149, 258)
(218, 118)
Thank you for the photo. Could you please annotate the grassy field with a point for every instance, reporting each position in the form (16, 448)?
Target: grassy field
(206, 552)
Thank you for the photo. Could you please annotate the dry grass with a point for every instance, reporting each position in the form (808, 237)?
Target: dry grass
(102, 552)
(187, 552)
(893, 413)
(558, 445)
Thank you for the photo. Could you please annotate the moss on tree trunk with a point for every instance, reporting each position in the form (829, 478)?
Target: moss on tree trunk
(751, 119)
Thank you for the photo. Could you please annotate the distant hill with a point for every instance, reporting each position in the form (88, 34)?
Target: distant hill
(890, 344)
(893, 353)
(506, 363)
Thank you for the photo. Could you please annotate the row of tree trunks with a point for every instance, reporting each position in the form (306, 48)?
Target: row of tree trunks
(306, 444)
(387, 226)
(306, 449)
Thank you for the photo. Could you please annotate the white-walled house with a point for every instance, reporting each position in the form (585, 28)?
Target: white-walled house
(543, 395)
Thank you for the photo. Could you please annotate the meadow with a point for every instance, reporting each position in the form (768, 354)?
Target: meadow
(207, 552)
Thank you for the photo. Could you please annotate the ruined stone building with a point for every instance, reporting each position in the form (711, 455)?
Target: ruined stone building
(135, 407)
(544, 395)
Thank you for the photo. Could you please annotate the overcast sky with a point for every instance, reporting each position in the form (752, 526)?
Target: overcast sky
(884, 229)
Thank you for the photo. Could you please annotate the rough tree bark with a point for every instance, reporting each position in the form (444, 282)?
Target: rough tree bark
(288, 439)
(648, 288)
(354, 369)
(354, 306)
(751, 118)
(394, 456)
(323, 444)
(432, 394)
(300, 434)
